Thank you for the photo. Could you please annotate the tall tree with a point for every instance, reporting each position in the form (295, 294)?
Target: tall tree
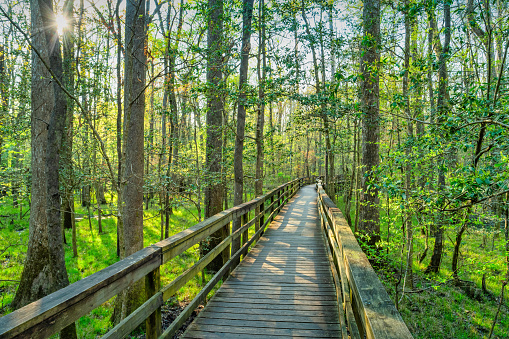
(133, 141)
(67, 142)
(442, 106)
(408, 283)
(260, 120)
(238, 169)
(215, 107)
(45, 270)
(369, 218)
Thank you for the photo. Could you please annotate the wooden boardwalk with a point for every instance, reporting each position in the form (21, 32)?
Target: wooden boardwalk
(283, 288)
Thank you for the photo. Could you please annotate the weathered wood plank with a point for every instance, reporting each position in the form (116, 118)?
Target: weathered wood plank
(273, 296)
(285, 279)
(277, 306)
(261, 286)
(272, 291)
(200, 334)
(50, 314)
(267, 324)
(246, 331)
(271, 314)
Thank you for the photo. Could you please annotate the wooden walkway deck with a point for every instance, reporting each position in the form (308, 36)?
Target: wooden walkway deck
(283, 288)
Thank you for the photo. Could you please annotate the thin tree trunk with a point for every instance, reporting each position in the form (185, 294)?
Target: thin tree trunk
(247, 15)
(214, 189)
(120, 225)
(408, 280)
(436, 258)
(260, 121)
(67, 142)
(134, 111)
(369, 218)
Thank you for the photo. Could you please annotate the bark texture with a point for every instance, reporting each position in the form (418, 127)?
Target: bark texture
(67, 142)
(369, 218)
(37, 278)
(134, 109)
(260, 119)
(48, 202)
(214, 190)
(238, 170)
(442, 106)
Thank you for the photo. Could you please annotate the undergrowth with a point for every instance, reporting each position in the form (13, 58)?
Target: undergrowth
(95, 252)
(437, 307)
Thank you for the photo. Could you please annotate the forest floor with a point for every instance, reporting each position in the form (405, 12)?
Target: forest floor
(436, 307)
(95, 252)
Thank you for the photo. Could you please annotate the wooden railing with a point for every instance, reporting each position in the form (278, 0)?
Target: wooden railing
(365, 308)
(52, 313)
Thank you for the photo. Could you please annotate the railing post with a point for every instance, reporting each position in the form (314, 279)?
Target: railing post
(258, 210)
(245, 234)
(271, 208)
(262, 216)
(226, 252)
(153, 322)
(282, 198)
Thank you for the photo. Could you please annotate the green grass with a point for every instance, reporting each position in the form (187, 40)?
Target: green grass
(95, 252)
(440, 309)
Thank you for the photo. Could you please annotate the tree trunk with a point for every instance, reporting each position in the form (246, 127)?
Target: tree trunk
(436, 258)
(134, 110)
(120, 226)
(45, 272)
(214, 189)
(369, 218)
(247, 15)
(408, 280)
(260, 120)
(37, 277)
(67, 142)
(455, 254)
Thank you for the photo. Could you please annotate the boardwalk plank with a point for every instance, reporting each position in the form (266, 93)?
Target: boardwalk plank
(198, 334)
(262, 296)
(267, 324)
(248, 331)
(233, 313)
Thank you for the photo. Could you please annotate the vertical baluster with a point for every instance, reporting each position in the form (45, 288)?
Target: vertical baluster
(245, 234)
(152, 286)
(262, 216)
(226, 231)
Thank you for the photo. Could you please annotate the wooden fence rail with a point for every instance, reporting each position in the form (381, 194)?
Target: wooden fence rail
(52, 313)
(366, 310)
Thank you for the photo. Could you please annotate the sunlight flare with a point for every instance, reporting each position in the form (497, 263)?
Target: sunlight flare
(61, 22)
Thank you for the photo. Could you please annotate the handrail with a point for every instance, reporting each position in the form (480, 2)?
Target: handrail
(54, 312)
(365, 304)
